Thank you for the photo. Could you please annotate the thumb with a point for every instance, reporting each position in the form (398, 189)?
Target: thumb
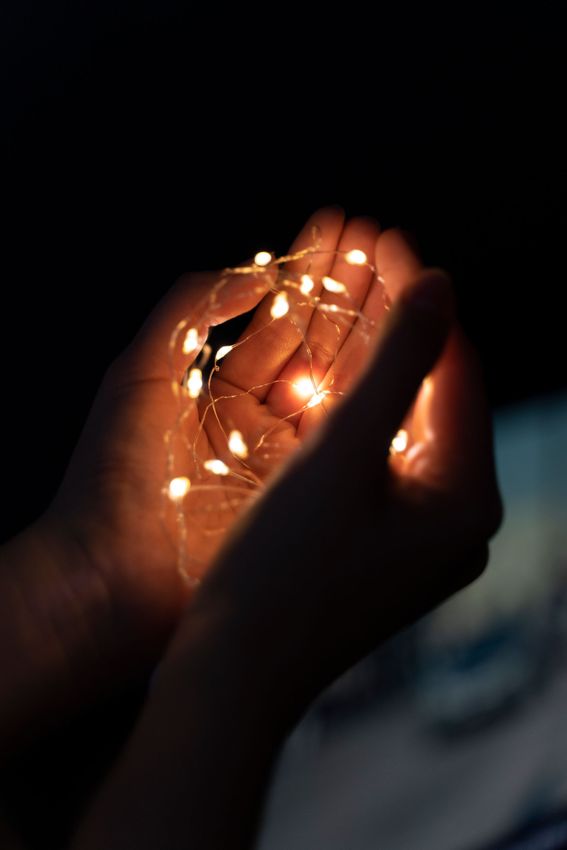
(414, 335)
(199, 300)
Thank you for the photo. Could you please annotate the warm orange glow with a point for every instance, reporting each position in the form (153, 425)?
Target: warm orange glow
(316, 398)
(307, 389)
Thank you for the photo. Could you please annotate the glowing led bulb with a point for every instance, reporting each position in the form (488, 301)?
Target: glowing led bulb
(356, 257)
(316, 398)
(400, 442)
(237, 445)
(191, 341)
(178, 488)
(223, 351)
(332, 285)
(216, 466)
(306, 285)
(195, 383)
(304, 387)
(263, 258)
(280, 305)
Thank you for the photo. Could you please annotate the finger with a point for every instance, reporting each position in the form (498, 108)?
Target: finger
(397, 261)
(270, 343)
(414, 335)
(451, 430)
(327, 332)
(397, 266)
(322, 337)
(196, 302)
(353, 355)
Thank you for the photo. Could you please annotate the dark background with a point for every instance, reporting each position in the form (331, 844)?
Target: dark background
(146, 139)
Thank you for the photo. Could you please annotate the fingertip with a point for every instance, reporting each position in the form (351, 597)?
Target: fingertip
(329, 217)
(396, 243)
(332, 209)
(410, 238)
(367, 220)
(396, 261)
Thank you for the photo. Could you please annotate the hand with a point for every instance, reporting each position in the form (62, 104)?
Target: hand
(347, 546)
(90, 592)
(100, 563)
(111, 498)
(354, 543)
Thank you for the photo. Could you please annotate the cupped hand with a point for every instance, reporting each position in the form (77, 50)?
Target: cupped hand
(354, 542)
(110, 505)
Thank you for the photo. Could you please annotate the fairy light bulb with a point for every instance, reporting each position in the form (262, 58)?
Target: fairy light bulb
(400, 442)
(237, 445)
(306, 285)
(356, 257)
(263, 258)
(223, 351)
(316, 398)
(280, 306)
(216, 466)
(178, 488)
(191, 341)
(332, 285)
(305, 387)
(195, 383)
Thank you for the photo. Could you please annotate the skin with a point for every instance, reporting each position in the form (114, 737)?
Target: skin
(403, 535)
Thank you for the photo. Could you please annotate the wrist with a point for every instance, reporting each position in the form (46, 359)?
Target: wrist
(56, 628)
(205, 742)
(239, 652)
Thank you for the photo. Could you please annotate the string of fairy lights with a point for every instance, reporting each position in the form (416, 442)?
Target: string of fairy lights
(216, 463)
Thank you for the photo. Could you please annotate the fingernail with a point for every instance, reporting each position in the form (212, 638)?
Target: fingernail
(432, 293)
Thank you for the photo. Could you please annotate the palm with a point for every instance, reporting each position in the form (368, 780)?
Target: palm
(114, 487)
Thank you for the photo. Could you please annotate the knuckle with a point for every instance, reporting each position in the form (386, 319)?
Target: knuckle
(322, 353)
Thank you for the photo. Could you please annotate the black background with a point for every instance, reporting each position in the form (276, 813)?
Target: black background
(144, 139)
